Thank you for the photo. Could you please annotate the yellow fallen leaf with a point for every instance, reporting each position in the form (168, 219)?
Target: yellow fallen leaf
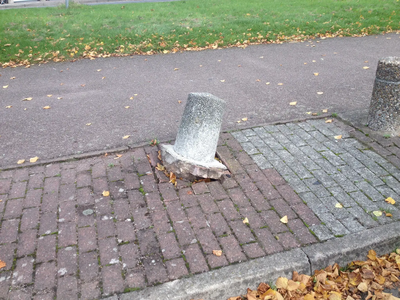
(329, 121)
(305, 63)
(316, 74)
(217, 252)
(280, 83)
(160, 167)
(2, 264)
(244, 119)
(308, 112)
(239, 121)
(98, 70)
(33, 159)
(314, 114)
(8, 106)
(88, 124)
(258, 80)
(127, 106)
(118, 156)
(363, 287)
(5, 86)
(103, 77)
(377, 213)
(176, 69)
(325, 110)
(83, 85)
(49, 96)
(106, 193)
(365, 68)
(13, 77)
(125, 137)
(7, 45)
(390, 200)
(223, 80)
(246, 221)
(338, 205)
(293, 103)
(179, 101)
(389, 215)
(281, 283)
(46, 107)
(314, 61)
(21, 161)
(320, 93)
(134, 94)
(27, 99)
(335, 296)
(338, 137)
(267, 83)
(309, 297)
(59, 98)
(284, 219)
(292, 285)
(131, 98)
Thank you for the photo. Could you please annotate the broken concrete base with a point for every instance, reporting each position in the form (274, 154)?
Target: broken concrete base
(189, 169)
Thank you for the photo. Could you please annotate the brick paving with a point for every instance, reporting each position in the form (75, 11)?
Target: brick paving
(62, 239)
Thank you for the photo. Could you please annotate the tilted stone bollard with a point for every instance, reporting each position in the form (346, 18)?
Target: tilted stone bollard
(384, 110)
(193, 154)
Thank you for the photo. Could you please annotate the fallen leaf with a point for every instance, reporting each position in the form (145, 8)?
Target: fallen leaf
(325, 110)
(217, 252)
(27, 99)
(314, 114)
(377, 213)
(389, 215)
(335, 296)
(292, 285)
(179, 101)
(282, 283)
(338, 205)
(316, 74)
(88, 124)
(309, 297)
(160, 167)
(223, 80)
(127, 106)
(5, 86)
(106, 193)
(390, 200)
(189, 193)
(320, 93)
(12, 77)
(33, 159)
(293, 103)
(338, 137)
(8, 106)
(172, 178)
(176, 69)
(267, 83)
(7, 45)
(21, 161)
(49, 96)
(46, 107)
(314, 61)
(280, 83)
(363, 287)
(2, 264)
(244, 119)
(329, 121)
(82, 85)
(103, 77)
(131, 98)
(246, 221)
(125, 137)
(98, 70)
(365, 68)
(308, 112)
(258, 80)
(284, 219)
(117, 156)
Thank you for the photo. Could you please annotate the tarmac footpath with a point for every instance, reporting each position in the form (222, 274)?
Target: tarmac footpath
(113, 226)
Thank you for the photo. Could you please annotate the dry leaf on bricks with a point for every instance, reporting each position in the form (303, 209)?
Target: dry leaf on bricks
(33, 159)
(390, 200)
(284, 219)
(217, 252)
(106, 193)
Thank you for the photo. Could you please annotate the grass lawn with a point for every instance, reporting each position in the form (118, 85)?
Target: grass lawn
(35, 35)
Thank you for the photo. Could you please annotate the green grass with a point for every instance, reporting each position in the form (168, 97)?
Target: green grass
(42, 34)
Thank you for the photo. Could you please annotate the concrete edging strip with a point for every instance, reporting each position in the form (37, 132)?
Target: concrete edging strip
(228, 281)
(383, 239)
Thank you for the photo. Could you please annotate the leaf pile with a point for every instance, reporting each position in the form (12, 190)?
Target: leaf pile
(369, 277)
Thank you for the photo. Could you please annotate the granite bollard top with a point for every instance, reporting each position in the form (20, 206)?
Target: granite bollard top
(193, 154)
(384, 111)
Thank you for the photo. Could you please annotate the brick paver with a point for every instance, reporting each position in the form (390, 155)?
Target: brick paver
(60, 237)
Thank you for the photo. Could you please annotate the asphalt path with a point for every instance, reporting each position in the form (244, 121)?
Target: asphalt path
(97, 92)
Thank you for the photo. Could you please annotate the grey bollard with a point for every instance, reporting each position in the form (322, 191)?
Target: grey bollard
(193, 154)
(384, 110)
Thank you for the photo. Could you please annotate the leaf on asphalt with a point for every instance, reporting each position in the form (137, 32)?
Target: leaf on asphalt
(223, 80)
(284, 219)
(189, 193)
(365, 68)
(320, 93)
(127, 106)
(49, 96)
(308, 112)
(83, 85)
(104, 77)
(106, 193)
(293, 103)
(258, 80)
(314, 61)
(46, 107)
(217, 252)
(21, 161)
(98, 70)
(316, 74)
(390, 200)
(314, 114)
(179, 101)
(267, 83)
(13, 77)
(325, 110)
(338, 205)
(2, 264)
(88, 124)
(244, 119)
(280, 83)
(338, 137)
(160, 167)
(5, 86)
(27, 99)
(246, 221)
(8, 106)
(131, 98)
(125, 137)
(176, 69)
(33, 159)
(329, 121)
(377, 213)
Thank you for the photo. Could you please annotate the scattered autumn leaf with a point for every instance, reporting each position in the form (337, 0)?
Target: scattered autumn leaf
(33, 159)
(280, 83)
(160, 167)
(377, 213)
(284, 219)
(125, 137)
(5, 86)
(329, 121)
(98, 70)
(316, 74)
(223, 80)
(82, 85)
(325, 110)
(390, 200)
(258, 80)
(363, 287)
(106, 193)
(314, 114)
(365, 68)
(217, 252)
(8, 106)
(172, 178)
(2, 264)
(13, 77)
(246, 221)
(293, 103)
(131, 98)
(21, 161)
(127, 106)
(244, 119)
(46, 107)
(27, 99)
(117, 156)
(320, 93)
(267, 83)
(176, 69)
(338, 137)
(88, 124)
(49, 96)
(281, 283)
(103, 77)
(308, 112)
(338, 205)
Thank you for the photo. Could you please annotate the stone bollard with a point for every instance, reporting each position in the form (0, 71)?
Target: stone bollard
(384, 110)
(193, 154)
